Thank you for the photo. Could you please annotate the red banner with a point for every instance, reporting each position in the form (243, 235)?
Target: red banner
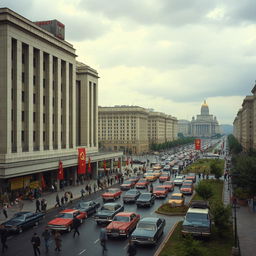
(81, 161)
(89, 165)
(61, 171)
(43, 182)
(197, 144)
(104, 165)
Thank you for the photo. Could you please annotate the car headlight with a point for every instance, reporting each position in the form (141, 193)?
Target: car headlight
(151, 239)
(122, 231)
(108, 218)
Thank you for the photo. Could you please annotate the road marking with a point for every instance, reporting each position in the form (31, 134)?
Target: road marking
(96, 241)
(125, 247)
(152, 212)
(81, 252)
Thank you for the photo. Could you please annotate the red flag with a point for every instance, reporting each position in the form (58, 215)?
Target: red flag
(43, 182)
(104, 165)
(81, 161)
(119, 164)
(60, 172)
(89, 165)
(197, 144)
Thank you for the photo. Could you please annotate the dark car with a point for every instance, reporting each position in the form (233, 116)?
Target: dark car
(148, 231)
(145, 199)
(88, 207)
(131, 196)
(23, 220)
(127, 184)
(107, 212)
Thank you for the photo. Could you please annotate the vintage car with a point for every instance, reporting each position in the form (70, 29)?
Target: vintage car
(150, 177)
(22, 220)
(64, 221)
(157, 173)
(127, 184)
(197, 222)
(107, 212)
(157, 167)
(187, 182)
(169, 185)
(134, 178)
(148, 231)
(142, 183)
(191, 176)
(111, 194)
(178, 180)
(131, 196)
(122, 224)
(176, 199)
(89, 207)
(164, 177)
(187, 189)
(145, 199)
(160, 192)
(167, 168)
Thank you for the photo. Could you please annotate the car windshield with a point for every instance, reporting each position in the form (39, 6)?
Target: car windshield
(147, 226)
(186, 186)
(196, 216)
(159, 189)
(19, 216)
(121, 218)
(84, 204)
(176, 197)
(142, 180)
(108, 207)
(65, 215)
(111, 191)
(127, 182)
(145, 196)
(165, 174)
(167, 183)
(131, 192)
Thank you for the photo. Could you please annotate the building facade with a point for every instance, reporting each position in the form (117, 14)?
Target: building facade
(132, 129)
(48, 103)
(184, 127)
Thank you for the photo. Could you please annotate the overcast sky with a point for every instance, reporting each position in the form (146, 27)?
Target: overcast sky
(168, 55)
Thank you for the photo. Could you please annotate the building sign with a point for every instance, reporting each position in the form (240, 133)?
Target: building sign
(197, 144)
(81, 161)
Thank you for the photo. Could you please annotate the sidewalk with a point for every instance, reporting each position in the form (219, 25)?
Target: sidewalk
(246, 225)
(51, 198)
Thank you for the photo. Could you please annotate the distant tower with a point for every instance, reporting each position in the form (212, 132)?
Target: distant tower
(204, 109)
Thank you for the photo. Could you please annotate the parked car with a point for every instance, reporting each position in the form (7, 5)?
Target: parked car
(187, 182)
(160, 192)
(64, 220)
(123, 224)
(191, 176)
(142, 183)
(22, 221)
(107, 212)
(134, 178)
(148, 231)
(89, 207)
(176, 199)
(169, 185)
(145, 199)
(127, 184)
(164, 177)
(178, 180)
(131, 196)
(150, 177)
(187, 189)
(111, 194)
(157, 173)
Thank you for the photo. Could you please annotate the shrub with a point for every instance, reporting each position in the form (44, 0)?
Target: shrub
(204, 190)
(216, 170)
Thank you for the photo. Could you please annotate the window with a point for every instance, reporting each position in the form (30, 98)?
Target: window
(44, 100)
(23, 58)
(34, 117)
(53, 102)
(22, 136)
(34, 62)
(43, 136)
(34, 80)
(22, 116)
(34, 136)
(23, 77)
(44, 65)
(44, 82)
(34, 98)
(44, 118)
(53, 118)
(53, 85)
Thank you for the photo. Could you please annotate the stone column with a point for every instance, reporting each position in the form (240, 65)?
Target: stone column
(49, 101)
(58, 105)
(66, 105)
(96, 114)
(73, 102)
(92, 116)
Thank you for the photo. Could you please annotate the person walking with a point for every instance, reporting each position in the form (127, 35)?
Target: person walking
(4, 235)
(82, 193)
(76, 224)
(103, 240)
(57, 239)
(131, 249)
(94, 187)
(5, 211)
(62, 200)
(151, 188)
(38, 205)
(57, 201)
(71, 197)
(35, 240)
(89, 189)
(46, 235)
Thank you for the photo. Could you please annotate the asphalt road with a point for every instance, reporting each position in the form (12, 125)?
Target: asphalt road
(88, 241)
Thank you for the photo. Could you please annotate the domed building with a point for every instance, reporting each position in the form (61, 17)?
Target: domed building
(204, 125)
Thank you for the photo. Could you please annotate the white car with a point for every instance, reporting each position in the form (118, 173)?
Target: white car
(178, 180)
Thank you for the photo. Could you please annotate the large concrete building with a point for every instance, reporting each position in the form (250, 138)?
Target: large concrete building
(49, 105)
(132, 129)
(204, 125)
(245, 122)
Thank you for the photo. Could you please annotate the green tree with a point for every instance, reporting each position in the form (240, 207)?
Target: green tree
(215, 169)
(204, 190)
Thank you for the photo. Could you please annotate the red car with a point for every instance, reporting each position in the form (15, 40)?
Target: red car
(142, 183)
(169, 185)
(111, 194)
(64, 220)
(128, 184)
(160, 191)
(187, 189)
(123, 224)
(164, 177)
(134, 178)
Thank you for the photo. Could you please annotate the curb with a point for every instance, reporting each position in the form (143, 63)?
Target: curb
(171, 214)
(160, 248)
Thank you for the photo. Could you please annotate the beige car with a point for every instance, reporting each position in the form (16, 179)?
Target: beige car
(176, 199)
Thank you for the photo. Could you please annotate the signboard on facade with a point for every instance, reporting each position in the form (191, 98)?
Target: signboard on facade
(197, 144)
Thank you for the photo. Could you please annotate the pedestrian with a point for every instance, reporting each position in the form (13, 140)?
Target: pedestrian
(5, 211)
(52, 188)
(94, 187)
(38, 205)
(46, 235)
(57, 201)
(35, 240)
(4, 235)
(151, 188)
(71, 197)
(57, 239)
(62, 200)
(42, 204)
(89, 189)
(199, 175)
(82, 193)
(225, 176)
(66, 197)
(76, 224)
(131, 249)
(103, 240)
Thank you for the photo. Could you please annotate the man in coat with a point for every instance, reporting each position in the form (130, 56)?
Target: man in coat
(76, 224)
(35, 240)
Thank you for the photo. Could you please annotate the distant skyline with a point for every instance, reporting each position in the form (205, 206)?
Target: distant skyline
(169, 55)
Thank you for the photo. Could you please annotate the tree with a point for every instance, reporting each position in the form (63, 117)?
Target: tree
(204, 190)
(215, 169)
